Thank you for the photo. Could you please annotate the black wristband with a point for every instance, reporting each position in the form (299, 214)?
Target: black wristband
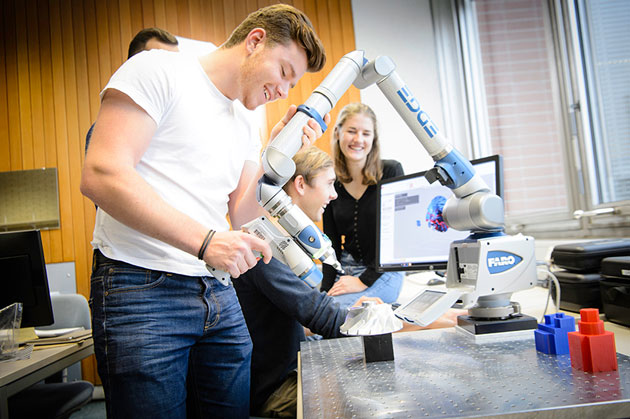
(205, 243)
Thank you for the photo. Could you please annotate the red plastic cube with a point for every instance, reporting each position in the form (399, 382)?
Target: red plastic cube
(592, 349)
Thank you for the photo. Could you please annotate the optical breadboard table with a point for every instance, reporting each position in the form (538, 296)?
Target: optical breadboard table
(442, 373)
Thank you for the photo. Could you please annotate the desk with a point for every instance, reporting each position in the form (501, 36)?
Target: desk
(440, 373)
(18, 375)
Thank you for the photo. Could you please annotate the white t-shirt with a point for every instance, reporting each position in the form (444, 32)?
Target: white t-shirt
(194, 160)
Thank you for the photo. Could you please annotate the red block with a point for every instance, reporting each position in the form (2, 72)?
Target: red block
(592, 349)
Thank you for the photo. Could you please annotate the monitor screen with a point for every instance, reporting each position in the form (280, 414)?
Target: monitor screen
(409, 237)
(23, 277)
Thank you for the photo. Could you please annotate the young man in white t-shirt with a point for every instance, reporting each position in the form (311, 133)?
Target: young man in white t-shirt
(171, 155)
(145, 40)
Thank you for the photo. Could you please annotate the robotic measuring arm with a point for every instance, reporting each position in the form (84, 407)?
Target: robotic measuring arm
(483, 270)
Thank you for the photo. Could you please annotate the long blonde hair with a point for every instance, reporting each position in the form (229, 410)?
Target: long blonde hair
(373, 170)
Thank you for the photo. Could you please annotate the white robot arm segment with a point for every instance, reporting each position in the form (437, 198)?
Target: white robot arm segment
(285, 250)
(277, 157)
(277, 162)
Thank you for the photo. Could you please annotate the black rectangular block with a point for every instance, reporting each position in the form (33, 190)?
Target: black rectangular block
(378, 348)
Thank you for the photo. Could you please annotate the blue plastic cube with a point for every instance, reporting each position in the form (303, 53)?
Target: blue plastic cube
(551, 337)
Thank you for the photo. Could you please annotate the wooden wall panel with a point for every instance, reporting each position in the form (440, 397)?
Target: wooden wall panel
(5, 163)
(57, 55)
(47, 93)
(14, 157)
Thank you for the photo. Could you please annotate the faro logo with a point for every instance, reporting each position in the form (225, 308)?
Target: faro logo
(499, 261)
(413, 106)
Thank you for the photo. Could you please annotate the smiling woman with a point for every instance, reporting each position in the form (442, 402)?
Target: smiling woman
(350, 221)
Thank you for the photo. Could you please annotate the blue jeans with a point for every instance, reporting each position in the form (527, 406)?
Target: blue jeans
(387, 287)
(168, 345)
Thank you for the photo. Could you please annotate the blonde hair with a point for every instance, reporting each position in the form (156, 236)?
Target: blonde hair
(373, 170)
(283, 23)
(308, 164)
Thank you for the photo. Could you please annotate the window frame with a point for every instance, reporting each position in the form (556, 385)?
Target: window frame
(575, 123)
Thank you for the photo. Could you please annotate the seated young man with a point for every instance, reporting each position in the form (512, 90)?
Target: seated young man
(277, 305)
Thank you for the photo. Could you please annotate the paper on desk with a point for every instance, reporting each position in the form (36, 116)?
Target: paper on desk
(55, 332)
(25, 334)
(73, 337)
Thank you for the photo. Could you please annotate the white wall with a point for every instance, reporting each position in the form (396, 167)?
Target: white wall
(61, 277)
(402, 30)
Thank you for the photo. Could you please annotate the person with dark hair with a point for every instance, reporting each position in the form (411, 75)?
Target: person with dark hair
(172, 156)
(152, 38)
(350, 221)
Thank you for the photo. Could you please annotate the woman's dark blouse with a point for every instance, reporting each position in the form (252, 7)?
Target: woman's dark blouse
(356, 220)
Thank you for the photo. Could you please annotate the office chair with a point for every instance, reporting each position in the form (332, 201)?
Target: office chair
(50, 400)
(69, 310)
(57, 399)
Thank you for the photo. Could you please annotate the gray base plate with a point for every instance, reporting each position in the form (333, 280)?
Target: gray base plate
(439, 373)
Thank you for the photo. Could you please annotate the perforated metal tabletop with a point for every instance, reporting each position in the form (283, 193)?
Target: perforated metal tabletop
(440, 373)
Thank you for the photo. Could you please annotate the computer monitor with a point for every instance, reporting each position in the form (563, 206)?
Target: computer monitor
(408, 235)
(23, 277)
